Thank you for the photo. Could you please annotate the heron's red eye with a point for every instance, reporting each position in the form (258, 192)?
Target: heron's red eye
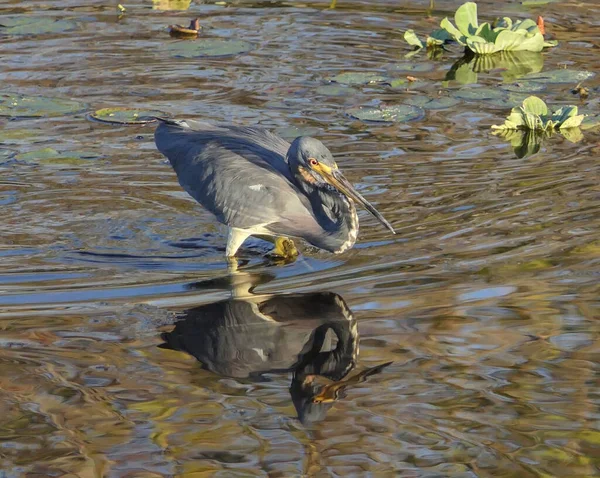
(313, 162)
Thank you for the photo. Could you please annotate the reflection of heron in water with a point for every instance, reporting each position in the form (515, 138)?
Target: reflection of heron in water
(311, 335)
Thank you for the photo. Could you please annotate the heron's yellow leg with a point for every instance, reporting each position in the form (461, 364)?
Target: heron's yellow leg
(285, 247)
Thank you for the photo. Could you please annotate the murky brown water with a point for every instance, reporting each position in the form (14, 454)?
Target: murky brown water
(486, 301)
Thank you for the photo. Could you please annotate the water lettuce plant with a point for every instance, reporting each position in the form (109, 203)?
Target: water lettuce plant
(529, 124)
(484, 39)
(534, 114)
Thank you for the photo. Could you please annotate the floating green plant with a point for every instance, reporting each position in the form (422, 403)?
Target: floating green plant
(534, 114)
(484, 39)
(529, 124)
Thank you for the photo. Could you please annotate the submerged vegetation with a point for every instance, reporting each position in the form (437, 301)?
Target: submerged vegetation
(484, 38)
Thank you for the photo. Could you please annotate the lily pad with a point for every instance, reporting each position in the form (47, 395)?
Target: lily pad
(409, 67)
(20, 136)
(524, 87)
(15, 105)
(387, 114)
(52, 156)
(480, 94)
(429, 103)
(405, 83)
(292, 132)
(590, 122)
(208, 47)
(358, 78)
(125, 115)
(560, 76)
(334, 90)
(30, 25)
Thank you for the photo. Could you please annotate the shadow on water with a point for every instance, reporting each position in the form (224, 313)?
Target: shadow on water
(313, 336)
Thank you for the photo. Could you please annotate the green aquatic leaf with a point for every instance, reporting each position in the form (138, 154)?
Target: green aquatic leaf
(503, 23)
(486, 32)
(480, 94)
(412, 39)
(335, 90)
(572, 122)
(536, 106)
(560, 76)
(16, 105)
(573, 135)
(428, 103)
(32, 25)
(208, 47)
(387, 114)
(519, 40)
(562, 114)
(524, 87)
(411, 67)
(465, 18)
(358, 78)
(590, 122)
(535, 116)
(20, 136)
(438, 38)
(480, 46)
(484, 40)
(447, 25)
(118, 115)
(531, 3)
(52, 156)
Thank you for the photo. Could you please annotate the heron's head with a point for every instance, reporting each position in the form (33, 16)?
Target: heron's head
(313, 167)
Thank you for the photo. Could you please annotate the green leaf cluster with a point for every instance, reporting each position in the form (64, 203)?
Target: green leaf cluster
(535, 115)
(484, 39)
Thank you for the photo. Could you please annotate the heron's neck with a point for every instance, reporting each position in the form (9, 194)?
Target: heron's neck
(337, 215)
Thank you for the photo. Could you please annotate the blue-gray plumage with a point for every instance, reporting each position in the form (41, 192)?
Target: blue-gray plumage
(258, 184)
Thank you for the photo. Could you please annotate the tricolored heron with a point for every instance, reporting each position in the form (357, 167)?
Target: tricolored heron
(258, 184)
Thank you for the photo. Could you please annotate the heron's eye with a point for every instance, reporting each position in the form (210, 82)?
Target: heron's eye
(313, 162)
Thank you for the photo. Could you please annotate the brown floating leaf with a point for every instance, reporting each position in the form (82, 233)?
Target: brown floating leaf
(181, 31)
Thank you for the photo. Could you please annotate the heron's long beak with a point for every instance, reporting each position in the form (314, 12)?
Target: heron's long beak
(338, 181)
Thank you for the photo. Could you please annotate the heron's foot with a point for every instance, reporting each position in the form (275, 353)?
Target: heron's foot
(285, 248)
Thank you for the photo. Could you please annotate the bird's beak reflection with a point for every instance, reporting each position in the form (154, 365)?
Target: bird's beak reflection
(338, 181)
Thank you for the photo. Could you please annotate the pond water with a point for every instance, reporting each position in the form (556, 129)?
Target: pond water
(130, 348)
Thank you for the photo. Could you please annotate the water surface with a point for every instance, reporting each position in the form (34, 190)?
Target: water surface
(486, 301)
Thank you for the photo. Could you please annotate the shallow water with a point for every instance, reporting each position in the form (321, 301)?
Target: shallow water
(486, 301)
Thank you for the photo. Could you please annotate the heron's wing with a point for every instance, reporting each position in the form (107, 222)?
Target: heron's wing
(239, 174)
